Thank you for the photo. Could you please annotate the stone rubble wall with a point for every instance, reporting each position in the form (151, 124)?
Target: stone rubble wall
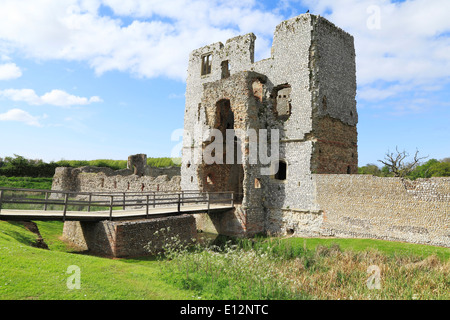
(385, 208)
(364, 206)
(94, 179)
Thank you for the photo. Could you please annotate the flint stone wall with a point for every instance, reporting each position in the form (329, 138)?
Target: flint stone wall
(95, 179)
(363, 206)
(129, 238)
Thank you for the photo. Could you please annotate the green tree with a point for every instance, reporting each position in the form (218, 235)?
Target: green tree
(386, 172)
(441, 169)
(370, 168)
(423, 171)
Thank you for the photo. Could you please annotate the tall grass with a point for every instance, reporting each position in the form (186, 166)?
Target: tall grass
(268, 269)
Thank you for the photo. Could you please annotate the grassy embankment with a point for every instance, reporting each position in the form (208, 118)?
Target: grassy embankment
(31, 273)
(26, 183)
(265, 268)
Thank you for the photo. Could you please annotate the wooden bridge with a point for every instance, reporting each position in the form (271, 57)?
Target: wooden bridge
(32, 204)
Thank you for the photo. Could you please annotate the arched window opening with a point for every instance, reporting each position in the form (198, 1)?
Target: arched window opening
(281, 174)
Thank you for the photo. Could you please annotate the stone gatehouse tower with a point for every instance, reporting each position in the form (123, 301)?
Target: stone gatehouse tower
(306, 90)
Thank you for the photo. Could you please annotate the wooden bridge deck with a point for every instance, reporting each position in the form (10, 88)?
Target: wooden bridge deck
(73, 206)
(41, 215)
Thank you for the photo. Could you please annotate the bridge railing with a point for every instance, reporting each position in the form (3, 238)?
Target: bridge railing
(35, 199)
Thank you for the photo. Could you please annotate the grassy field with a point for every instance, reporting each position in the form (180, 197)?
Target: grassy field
(26, 182)
(389, 248)
(32, 273)
(263, 268)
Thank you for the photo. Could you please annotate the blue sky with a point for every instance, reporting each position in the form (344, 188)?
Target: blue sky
(104, 79)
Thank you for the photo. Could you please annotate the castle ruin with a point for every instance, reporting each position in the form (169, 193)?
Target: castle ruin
(306, 92)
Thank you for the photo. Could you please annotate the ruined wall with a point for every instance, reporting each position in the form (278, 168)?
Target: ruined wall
(235, 103)
(363, 206)
(307, 91)
(138, 164)
(311, 61)
(93, 179)
(385, 208)
(238, 52)
(335, 147)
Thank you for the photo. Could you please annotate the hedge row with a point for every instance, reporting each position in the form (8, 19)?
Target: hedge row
(19, 166)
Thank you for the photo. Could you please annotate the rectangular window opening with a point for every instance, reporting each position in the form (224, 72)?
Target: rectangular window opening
(206, 64)
(225, 69)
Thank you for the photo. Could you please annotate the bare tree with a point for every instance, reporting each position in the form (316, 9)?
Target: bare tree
(397, 164)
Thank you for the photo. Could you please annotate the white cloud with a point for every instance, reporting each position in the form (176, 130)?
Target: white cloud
(152, 38)
(156, 43)
(9, 71)
(63, 99)
(409, 47)
(54, 97)
(20, 116)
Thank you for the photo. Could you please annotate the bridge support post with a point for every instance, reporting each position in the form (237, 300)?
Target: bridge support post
(66, 200)
(179, 203)
(111, 201)
(1, 200)
(46, 199)
(89, 204)
(146, 207)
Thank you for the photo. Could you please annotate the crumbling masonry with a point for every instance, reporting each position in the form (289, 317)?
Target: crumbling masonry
(306, 90)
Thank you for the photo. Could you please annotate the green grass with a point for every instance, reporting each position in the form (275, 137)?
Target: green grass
(389, 248)
(262, 268)
(52, 232)
(31, 273)
(26, 182)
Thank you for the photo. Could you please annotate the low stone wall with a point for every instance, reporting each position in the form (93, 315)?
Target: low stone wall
(129, 238)
(94, 179)
(364, 206)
